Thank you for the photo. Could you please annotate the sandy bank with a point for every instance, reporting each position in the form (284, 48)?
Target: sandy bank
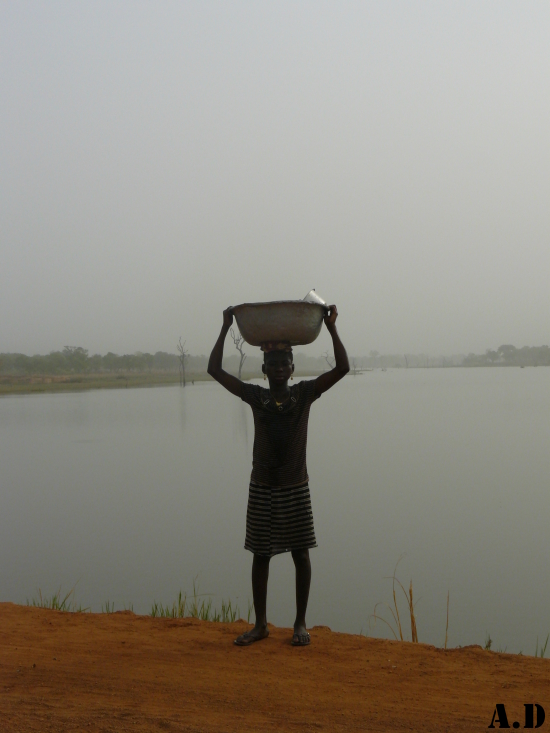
(123, 672)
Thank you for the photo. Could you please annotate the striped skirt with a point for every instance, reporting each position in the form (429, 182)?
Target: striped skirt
(279, 519)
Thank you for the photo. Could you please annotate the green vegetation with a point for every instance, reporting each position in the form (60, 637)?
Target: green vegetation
(489, 643)
(508, 355)
(77, 360)
(198, 606)
(542, 651)
(182, 608)
(73, 370)
(57, 602)
(27, 385)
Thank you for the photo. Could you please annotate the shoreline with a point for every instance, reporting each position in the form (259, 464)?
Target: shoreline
(11, 384)
(16, 385)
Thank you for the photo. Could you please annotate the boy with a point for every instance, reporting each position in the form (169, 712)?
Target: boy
(279, 517)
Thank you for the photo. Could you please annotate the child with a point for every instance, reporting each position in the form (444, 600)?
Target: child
(279, 517)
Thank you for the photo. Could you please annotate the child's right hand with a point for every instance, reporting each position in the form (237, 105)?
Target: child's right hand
(331, 314)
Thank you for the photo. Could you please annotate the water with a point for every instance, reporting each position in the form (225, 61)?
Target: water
(133, 493)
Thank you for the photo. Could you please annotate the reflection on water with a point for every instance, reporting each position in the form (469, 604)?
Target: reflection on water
(136, 492)
(182, 408)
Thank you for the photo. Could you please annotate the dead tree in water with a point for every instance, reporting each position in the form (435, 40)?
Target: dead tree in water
(328, 359)
(238, 341)
(183, 354)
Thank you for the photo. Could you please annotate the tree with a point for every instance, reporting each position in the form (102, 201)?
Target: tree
(183, 355)
(76, 357)
(95, 363)
(238, 341)
(374, 356)
(22, 363)
(111, 362)
(507, 351)
(57, 362)
(328, 359)
(148, 361)
(166, 362)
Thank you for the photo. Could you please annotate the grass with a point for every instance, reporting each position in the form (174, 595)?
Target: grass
(398, 629)
(198, 606)
(202, 610)
(57, 602)
(542, 651)
(489, 644)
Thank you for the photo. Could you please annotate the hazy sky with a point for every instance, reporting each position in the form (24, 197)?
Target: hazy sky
(162, 160)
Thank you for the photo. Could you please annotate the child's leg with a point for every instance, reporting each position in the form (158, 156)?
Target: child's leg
(303, 580)
(260, 575)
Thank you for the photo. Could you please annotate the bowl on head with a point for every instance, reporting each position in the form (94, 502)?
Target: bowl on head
(294, 322)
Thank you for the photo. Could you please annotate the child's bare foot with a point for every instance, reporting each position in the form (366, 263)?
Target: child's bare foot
(249, 637)
(300, 636)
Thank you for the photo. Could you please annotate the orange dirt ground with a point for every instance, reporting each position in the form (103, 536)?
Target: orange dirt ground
(122, 672)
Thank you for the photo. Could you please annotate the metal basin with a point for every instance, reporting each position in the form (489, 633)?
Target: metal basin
(293, 321)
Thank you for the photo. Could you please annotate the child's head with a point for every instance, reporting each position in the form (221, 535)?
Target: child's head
(278, 364)
(277, 354)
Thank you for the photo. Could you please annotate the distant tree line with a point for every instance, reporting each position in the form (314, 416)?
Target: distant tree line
(77, 360)
(375, 360)
(508, 355)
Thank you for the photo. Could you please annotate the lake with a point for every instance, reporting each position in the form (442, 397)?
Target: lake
(133, 493)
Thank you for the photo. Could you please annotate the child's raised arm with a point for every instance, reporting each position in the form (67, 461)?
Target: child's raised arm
(328, 379)
(215, 370)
